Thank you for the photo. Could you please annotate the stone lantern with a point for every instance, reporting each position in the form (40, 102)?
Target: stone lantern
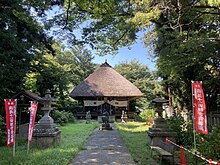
(45, 131)
(160, 129)
(47, 101)
(159, 122)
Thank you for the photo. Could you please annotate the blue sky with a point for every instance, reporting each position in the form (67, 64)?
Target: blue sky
(137, 52)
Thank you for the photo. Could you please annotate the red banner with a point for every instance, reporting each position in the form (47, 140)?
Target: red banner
(33, 110)
(200, 120)
(10, 109)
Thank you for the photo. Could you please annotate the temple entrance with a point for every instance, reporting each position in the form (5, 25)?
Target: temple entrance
(106, 107)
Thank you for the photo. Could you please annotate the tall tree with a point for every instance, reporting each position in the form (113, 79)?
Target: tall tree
(187, 48)
(20, 37)
(82, 65)
(146, 80)
(59, 73)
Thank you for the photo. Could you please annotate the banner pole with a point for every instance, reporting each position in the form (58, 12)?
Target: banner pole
(15, 127)
(13, 153)
(28, 146)
(194, 131)
(13, 150)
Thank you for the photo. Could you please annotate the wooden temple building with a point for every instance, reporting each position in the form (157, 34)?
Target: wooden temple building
(105, 89)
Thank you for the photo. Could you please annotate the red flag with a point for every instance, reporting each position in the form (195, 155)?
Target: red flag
(200, 119)
(182, 157)
(10, 109)
(33, 110)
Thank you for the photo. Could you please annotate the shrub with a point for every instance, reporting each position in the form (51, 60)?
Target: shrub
(2, 131)
(147, 115)
(184, 129)
(62, 117)
(208, 145)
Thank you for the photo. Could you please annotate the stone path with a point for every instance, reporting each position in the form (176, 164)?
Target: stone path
(104, 148)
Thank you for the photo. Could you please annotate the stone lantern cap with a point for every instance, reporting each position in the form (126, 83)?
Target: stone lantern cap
(159, 100)
(48, 97)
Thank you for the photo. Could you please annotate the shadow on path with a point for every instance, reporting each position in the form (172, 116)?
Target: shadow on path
(104, 147)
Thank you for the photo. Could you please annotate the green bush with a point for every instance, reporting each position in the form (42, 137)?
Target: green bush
(184, 129)
(2, 131)
(62, 117)
(147, 115)
(208, 145)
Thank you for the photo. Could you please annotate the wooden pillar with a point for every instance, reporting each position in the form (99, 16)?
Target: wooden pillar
(128, 107)
(83, 106)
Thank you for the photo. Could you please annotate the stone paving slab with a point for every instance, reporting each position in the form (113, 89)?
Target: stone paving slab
(104, 147)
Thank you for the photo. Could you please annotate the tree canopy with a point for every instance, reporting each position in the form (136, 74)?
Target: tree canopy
(187, 47)
(59, 73)
(146, 80)
(21, 38)
(184, 36)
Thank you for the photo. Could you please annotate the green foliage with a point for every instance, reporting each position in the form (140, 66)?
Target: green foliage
(147, 115)
(184, 129)
(103, 24)
(143, 78)
(59, 73)
(21, 37)
(2, 131)
(184, 36)
(62, 117)
(186, 48)
(208, 145)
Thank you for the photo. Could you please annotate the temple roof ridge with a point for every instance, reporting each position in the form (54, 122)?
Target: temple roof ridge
(105, 64)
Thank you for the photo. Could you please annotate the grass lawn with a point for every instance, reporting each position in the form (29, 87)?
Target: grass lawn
(136, 139)
(73, 137)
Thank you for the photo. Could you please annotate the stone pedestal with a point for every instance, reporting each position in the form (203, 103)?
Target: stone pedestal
(45, 136)
(111, 119)
(105, 126)
(159, 132)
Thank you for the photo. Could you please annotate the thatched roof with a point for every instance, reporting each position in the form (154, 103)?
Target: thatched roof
(105, 81)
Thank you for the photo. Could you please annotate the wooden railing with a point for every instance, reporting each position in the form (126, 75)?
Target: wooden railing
(213, 118)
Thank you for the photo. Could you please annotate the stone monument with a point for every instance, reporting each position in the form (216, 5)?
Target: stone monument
(160, 129)
(45, 132)
(88, 117)
(105, 121)
(124, 117)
